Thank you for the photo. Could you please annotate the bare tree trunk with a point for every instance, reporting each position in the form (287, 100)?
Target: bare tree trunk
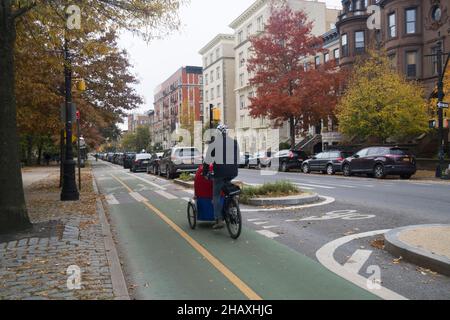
(292, 131)
(13, 211)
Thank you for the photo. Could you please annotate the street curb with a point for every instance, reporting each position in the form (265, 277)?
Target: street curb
(186, 184)
(117, 278)
(284, 201)
(416, 255)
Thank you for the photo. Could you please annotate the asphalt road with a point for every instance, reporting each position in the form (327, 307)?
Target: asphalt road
(278, 249)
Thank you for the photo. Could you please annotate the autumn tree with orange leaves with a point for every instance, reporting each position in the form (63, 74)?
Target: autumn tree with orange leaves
(287, 87)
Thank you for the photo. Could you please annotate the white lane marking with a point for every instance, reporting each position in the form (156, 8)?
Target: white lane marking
(326, 258)
(111, 199)
(270, 227)
(268, 234)
(314, 185)
(261, 223)
(166, 195)
(103, 178)
(137, 197)
(357, 260)
(327, 200)
(331, 184)
(252, 220)
(146, 181)
(306, 188)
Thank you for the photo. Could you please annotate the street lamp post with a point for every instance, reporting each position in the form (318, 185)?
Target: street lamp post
(69, 190)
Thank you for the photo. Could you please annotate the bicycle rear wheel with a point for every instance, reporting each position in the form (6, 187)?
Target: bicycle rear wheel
(233, 218)
(192, 215)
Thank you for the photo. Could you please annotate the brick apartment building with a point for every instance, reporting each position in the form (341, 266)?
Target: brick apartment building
(136, 120)
(177, 103)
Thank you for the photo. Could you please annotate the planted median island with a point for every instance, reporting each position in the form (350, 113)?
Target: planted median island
(280, 193)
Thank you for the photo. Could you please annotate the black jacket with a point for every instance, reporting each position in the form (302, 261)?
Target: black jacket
(223, 153)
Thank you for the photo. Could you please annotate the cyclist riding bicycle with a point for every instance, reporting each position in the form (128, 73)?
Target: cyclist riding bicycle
(223, 154)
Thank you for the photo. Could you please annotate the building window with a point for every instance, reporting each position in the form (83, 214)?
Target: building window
(218, 91)
(241, 59)
(241, 103)
(211, 57)
(434, 61)
(392, 27)
(344, 44)
(217, 54)
(218, 73)
(212, 76)
(326, 57)
(206, 79)
(393, 60)
(241, 79)
(317, 61)
(207, 95)
(249, 30)
(336, 55)
(359, 42)
(259, 22)
(411, 64)
(240, 37)
(212, 94)
(411, 17)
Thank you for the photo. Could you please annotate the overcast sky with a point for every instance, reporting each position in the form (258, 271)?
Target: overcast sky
(201, 21)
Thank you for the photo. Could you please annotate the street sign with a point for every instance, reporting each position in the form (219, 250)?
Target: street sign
(442, 105)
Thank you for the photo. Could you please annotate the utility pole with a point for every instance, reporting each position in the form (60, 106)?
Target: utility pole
(69, 190)
(211, 107)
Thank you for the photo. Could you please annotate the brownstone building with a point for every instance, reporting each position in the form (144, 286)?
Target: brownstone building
(410, 30)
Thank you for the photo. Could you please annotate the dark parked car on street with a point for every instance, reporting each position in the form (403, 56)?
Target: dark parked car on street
(286, 160)
(140, 162)
(127, 159)
(379, 162)
(153, 165)
(178, 160)
(110, 157)
(328, 162)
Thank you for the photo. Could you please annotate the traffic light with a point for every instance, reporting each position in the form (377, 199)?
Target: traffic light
(216, 114)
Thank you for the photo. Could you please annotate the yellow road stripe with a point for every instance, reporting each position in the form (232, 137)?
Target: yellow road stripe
(241, 285)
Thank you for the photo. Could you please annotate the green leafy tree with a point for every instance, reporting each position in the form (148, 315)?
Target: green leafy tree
(149, 19)
(143, 138)
(380, 103)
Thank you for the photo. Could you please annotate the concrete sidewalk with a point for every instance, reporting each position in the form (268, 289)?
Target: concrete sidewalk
(425, 245)
(65, 254)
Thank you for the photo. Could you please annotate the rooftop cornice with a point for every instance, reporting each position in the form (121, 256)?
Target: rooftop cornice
(258, 4)
(217, 39)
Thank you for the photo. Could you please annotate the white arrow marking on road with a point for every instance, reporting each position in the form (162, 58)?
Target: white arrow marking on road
(326, 258)
(166, 195)
(357, 260)
(268, 234)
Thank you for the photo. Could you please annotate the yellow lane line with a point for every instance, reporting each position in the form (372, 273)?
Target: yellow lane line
(241, 285)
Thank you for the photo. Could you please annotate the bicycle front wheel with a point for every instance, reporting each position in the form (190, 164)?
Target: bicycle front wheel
(192, 215)
(233, 218)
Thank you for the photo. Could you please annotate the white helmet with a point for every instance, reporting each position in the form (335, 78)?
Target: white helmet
(222, 128)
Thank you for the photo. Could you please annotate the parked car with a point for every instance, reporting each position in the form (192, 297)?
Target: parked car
(127, 159)
(140, 162)
(116, 158)
(110, 157)
(177, 160)
(328, 162)
(286, 160)
(258, 160)
(153, 165)
(379, 162)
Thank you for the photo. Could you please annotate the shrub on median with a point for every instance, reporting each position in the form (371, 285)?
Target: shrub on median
(272, 189)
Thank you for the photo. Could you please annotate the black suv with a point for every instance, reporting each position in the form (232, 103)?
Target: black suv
(127, 159)
(287, 159)
(379, 162)
(328, 162)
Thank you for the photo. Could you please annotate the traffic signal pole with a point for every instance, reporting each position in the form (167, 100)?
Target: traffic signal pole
(440, 96)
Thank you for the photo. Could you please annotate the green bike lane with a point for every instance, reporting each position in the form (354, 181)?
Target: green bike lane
(167, 266)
